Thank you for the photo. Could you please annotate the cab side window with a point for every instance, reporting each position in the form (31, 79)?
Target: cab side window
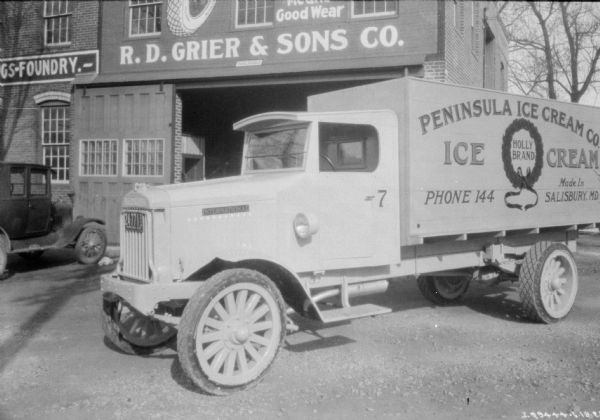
(17, 182)
(348, 147)
(39, 184)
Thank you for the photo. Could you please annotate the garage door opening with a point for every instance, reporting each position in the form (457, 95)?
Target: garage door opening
(211, 149)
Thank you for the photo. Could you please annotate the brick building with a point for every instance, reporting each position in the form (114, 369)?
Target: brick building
(42, 46)
(147, 90)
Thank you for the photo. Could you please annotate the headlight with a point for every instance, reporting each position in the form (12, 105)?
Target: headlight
(305, 225)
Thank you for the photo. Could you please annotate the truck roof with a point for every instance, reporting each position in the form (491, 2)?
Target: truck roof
(269, 120)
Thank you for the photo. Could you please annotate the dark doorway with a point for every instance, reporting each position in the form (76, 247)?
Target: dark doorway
(210, 113)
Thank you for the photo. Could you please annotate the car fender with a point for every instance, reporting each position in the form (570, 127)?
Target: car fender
(6, 239)
(71, 232)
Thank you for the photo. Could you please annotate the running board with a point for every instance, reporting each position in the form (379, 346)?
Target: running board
(341, 314)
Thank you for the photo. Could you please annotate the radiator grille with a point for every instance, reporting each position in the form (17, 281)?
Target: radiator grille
(136, 244)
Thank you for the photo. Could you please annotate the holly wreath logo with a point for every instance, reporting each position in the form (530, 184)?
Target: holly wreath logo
(523, 157)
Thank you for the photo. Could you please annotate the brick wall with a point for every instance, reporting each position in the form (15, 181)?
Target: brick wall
(20, 118)
(463, 46)
(463, 42)
(178, 140)
(435, 70)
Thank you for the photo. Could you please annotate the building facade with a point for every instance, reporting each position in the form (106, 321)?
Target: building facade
(173, 75)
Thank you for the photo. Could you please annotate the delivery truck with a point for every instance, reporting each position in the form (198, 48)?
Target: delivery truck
(400, 179)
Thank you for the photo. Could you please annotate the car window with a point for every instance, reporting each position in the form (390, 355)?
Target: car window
(17, 182)
(38, 185)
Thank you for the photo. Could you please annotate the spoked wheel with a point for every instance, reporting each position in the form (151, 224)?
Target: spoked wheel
(231, 331)
(443, 290)
(133, 332)
(91, 245)
(548, 282)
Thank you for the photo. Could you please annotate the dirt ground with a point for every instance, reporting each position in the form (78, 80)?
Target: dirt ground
(479, 359)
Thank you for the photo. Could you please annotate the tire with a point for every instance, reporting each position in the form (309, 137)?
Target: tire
(32, 255)
(134, 333)
(231, 331)
(443, 290)
(3, 254)
(548, 282)
(90, 245)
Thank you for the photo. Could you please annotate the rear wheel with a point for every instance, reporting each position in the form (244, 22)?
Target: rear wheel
(231, 331)
(90, 245)
(548, 282)
(133, 332)
(443, 290)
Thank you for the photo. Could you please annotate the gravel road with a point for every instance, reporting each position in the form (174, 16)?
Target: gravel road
(479, 359)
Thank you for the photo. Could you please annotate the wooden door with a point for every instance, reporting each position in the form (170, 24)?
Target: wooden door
(122, 136)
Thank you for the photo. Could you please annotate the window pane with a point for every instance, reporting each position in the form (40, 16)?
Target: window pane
(143, 157)
(17, 181)
(145, 17)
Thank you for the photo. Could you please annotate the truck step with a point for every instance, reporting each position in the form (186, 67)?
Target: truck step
(340, 314)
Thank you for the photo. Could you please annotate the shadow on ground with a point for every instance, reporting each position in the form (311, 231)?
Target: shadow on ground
(45, 286)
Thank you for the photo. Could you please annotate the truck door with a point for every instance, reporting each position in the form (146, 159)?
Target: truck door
(39, 201)
(347, 192)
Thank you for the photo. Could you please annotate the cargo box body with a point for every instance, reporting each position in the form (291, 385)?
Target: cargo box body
(475, 160)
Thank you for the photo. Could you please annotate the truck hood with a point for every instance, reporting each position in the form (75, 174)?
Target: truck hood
(235, 189)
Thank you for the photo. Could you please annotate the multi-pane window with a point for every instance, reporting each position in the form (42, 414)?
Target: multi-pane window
(374, 7)
(144, 157)
(56, 140)
(254, 12)
(98, 157)
(144, 17)
(57, 19)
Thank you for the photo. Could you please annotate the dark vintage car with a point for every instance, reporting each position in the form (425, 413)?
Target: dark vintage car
(31, 223)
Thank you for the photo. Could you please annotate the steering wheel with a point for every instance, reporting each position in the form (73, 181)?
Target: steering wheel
(326, 159)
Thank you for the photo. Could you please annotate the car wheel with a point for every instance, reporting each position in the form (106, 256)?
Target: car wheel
(90, 245)
(231, 331)
(443, 290)
(3, 254)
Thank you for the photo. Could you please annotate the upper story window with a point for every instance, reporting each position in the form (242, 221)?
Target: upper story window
(144, 17)
(364, 8)
(56, 140)
(254, 13)
(348, 147)
(57, 19)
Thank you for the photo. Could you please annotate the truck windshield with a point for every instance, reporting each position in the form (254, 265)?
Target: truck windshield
(283, 149)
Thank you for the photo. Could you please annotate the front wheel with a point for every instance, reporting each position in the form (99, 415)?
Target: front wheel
(443, 290)
(132, 332)
(90, 245)
(548, 282)
(231, 331)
